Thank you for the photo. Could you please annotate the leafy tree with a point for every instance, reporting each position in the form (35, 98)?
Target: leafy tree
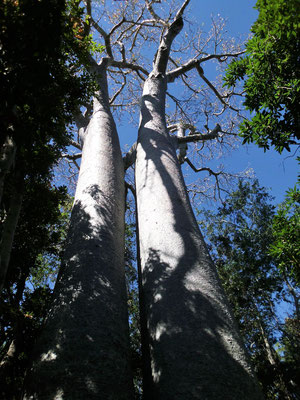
(286, 236)
(240, 233)
(285, 250)
(33, 264)
(271, 76)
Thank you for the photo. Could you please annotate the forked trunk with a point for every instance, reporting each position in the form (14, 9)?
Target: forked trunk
(84, 348)
(194, 347)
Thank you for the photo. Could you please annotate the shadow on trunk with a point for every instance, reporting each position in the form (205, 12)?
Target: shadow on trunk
(193, 342)
(86, 322)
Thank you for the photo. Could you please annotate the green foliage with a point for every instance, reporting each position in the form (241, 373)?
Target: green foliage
(285, 247)
(41, 78)
(270, 72)
(34, 264)
(240, 233)
(21, 323)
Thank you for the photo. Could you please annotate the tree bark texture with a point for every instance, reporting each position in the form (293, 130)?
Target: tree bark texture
(193, 343)
(84, 348)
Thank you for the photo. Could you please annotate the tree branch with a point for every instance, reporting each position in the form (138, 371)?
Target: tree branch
(72, 156)
(209, 84)
(105, 36)
(130, 156)
(197, 136)
(118, 91)
(210, 171)
(153, 13)
(162, 55)
(75, 144)
(125, 64)
(131, 188)
(193, 63)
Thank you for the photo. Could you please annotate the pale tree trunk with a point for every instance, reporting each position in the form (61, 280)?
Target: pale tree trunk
(192, 340)
(84, 348)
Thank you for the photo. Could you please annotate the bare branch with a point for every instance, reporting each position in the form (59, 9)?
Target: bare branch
(125, 64)
(194, 63)
(118, 91)
(177, 102)
(153, 13)
(123, 20)
(76, 164)
(72, 156)
(182, 146)
(92, 65)
(210, 171)
(175, 73)
(131, 188)
(122, 51)
(221, 57)
(130, 156)
(219, 96)
(197, 136)
(75, 144)
(182, 8)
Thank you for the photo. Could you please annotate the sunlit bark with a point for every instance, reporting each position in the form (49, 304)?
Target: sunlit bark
(193, 346)
(83, 352)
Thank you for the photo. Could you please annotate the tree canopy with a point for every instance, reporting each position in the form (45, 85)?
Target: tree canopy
(270, 76)
(241, 234)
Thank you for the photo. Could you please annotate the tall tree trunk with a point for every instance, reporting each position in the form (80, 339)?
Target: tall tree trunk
(84, 348)
(194, 344)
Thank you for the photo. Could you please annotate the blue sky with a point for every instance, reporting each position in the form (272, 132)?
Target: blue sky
(274, 171)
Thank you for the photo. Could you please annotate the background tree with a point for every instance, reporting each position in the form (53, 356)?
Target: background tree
(240, 233)
(270, 76)
(34, 261)
(286, 231)
(285, 250)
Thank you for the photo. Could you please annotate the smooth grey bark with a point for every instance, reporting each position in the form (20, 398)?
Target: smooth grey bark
(84, 348)
(192, 342)
(10, 225)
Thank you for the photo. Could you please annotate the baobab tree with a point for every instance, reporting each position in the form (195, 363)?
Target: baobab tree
(191, 346)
